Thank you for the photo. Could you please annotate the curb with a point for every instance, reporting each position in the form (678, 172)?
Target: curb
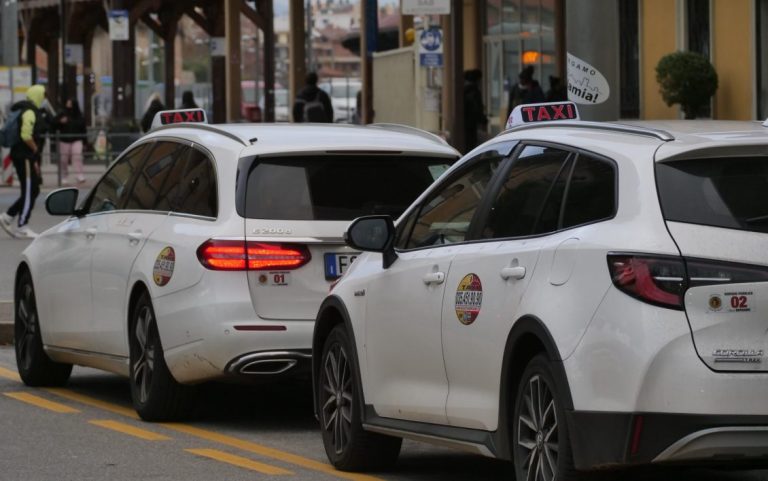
(6, 322)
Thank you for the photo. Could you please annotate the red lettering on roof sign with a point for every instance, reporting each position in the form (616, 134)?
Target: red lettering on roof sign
(528, 111)
(177, 117)
(540, 113)
(543, 114)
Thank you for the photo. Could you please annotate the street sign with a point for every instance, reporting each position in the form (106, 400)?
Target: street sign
(119, 25)
(218, 46)
(73, 53)
(431, 47)
(426, 7)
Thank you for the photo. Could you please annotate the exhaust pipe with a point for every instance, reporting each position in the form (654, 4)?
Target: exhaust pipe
(267, 363)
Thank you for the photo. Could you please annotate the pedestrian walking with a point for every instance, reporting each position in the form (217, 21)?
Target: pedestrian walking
(188, 100)
(155, 106)
(526, 91)
(26, 161)
(70, 123)
(312, 103)
(475, 120)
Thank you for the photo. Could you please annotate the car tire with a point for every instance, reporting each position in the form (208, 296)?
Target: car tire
(156, 395)
(34, 365)
(541, 447)
(347, 445)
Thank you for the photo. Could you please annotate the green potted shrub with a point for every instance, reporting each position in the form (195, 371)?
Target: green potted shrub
(688, 79)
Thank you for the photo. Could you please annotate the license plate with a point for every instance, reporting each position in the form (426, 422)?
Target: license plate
(337, 263)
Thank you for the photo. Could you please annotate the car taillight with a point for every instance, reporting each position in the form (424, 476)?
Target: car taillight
(662, 281)
(236, 255)
(657, 280)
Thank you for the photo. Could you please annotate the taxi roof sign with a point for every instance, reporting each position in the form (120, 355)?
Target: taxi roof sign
(544, 112)
(182, 116)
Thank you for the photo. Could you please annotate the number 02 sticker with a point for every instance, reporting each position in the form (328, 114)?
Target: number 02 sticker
(742, 301)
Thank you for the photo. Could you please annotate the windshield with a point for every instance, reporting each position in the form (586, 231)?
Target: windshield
(730, 192)
(339, 187)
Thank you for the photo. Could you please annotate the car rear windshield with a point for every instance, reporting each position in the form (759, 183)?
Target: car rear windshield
(339, 187)
(730, 192)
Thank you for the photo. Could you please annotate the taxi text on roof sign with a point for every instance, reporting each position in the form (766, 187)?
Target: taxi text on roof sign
(545, 112)
(184, 116)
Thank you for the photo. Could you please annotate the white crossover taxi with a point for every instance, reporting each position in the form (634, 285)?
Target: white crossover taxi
(205, 251)
(570, 296)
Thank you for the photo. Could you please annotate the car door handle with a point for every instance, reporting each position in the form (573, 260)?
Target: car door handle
(135, 237)
(517, 272)
(434, 278)
(90, 233)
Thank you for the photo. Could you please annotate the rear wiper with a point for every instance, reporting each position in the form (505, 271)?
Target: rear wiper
(756, 220)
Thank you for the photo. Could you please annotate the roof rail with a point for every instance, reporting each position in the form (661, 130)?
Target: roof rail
(662, 135)
(407, 129)
(206, 127)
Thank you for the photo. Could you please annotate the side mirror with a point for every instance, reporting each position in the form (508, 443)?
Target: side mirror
(62, 201)
(373, 233)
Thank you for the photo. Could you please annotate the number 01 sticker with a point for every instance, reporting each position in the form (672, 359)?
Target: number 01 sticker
(281, 278)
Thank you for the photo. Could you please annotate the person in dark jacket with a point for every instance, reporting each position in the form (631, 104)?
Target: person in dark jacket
(26, 161)
(188, 100)
(526, 91)
(475, 121)
(70, 123)
(155, 106)
(312, 103)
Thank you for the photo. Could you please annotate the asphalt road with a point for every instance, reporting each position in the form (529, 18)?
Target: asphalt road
(88, 431)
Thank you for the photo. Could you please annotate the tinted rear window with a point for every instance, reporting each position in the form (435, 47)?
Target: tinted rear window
(337, 187)
(720, 192)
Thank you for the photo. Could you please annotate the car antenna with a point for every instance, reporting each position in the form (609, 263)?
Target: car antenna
(253, 140)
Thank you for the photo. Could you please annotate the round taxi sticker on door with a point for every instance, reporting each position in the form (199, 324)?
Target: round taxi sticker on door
(469, 299)
(164, 264)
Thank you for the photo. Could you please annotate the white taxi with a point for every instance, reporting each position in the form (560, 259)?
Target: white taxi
(205, 251)
(570, 296)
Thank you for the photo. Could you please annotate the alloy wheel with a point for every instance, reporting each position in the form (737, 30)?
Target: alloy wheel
(144, 366)
(26, 325)
(337, 397)
(537, 431)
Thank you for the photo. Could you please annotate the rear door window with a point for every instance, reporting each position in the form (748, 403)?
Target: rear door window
(159, 171)
(193, 190)
(591, 194)
(340, 187)
(728, 192)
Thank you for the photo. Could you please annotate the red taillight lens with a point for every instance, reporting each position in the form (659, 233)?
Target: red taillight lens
(656, 280)
(236, 255)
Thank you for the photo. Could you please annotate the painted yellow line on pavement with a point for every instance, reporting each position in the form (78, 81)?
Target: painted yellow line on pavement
(41, 402)
(96, 403)
(129, 430)
(8, 374)
(239, 461)
(267, 452)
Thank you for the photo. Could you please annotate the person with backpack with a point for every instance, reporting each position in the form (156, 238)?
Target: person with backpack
(312, 103)
(71, 124)
(25, 152)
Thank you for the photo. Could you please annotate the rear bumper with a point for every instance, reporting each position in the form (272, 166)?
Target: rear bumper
(605, 440)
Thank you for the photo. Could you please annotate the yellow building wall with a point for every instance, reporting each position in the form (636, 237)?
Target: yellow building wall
(733, 53)
(657, 37)
(471, 35)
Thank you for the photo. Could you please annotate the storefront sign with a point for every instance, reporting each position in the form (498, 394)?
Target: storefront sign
(431, 47)
(119, 25)
(21, 80)
(426, 7)
(73, 54)
(218, 46)
(586, 85)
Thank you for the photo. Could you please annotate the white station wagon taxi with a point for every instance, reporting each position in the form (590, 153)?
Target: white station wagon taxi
(205, 250)
(570, 296)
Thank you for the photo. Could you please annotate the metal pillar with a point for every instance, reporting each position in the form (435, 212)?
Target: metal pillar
(232, 68)
(169, 77)
(456, 72)
(9, 26)
(265, 10)
(368, 38)
(124, 72)
(87, 74)
(52, 89)
(298, 69)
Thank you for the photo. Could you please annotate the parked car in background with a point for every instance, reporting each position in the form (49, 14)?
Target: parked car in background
(343, 93)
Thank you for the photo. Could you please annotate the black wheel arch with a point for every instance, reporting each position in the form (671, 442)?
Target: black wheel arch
(22, 268)
(528, 337)
(139, 287)
(332, 313)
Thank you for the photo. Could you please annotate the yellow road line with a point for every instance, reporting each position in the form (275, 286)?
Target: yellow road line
(129, 430)
(267, 452)
(96, 403)
(40, 402)
(238, 461)
(8, 374)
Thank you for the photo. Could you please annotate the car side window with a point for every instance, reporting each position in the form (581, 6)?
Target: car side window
(159, 170)
(194, 190)
(112, 191)
(521, 198)
(591, 192)
(446, 215)
(404, 229)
